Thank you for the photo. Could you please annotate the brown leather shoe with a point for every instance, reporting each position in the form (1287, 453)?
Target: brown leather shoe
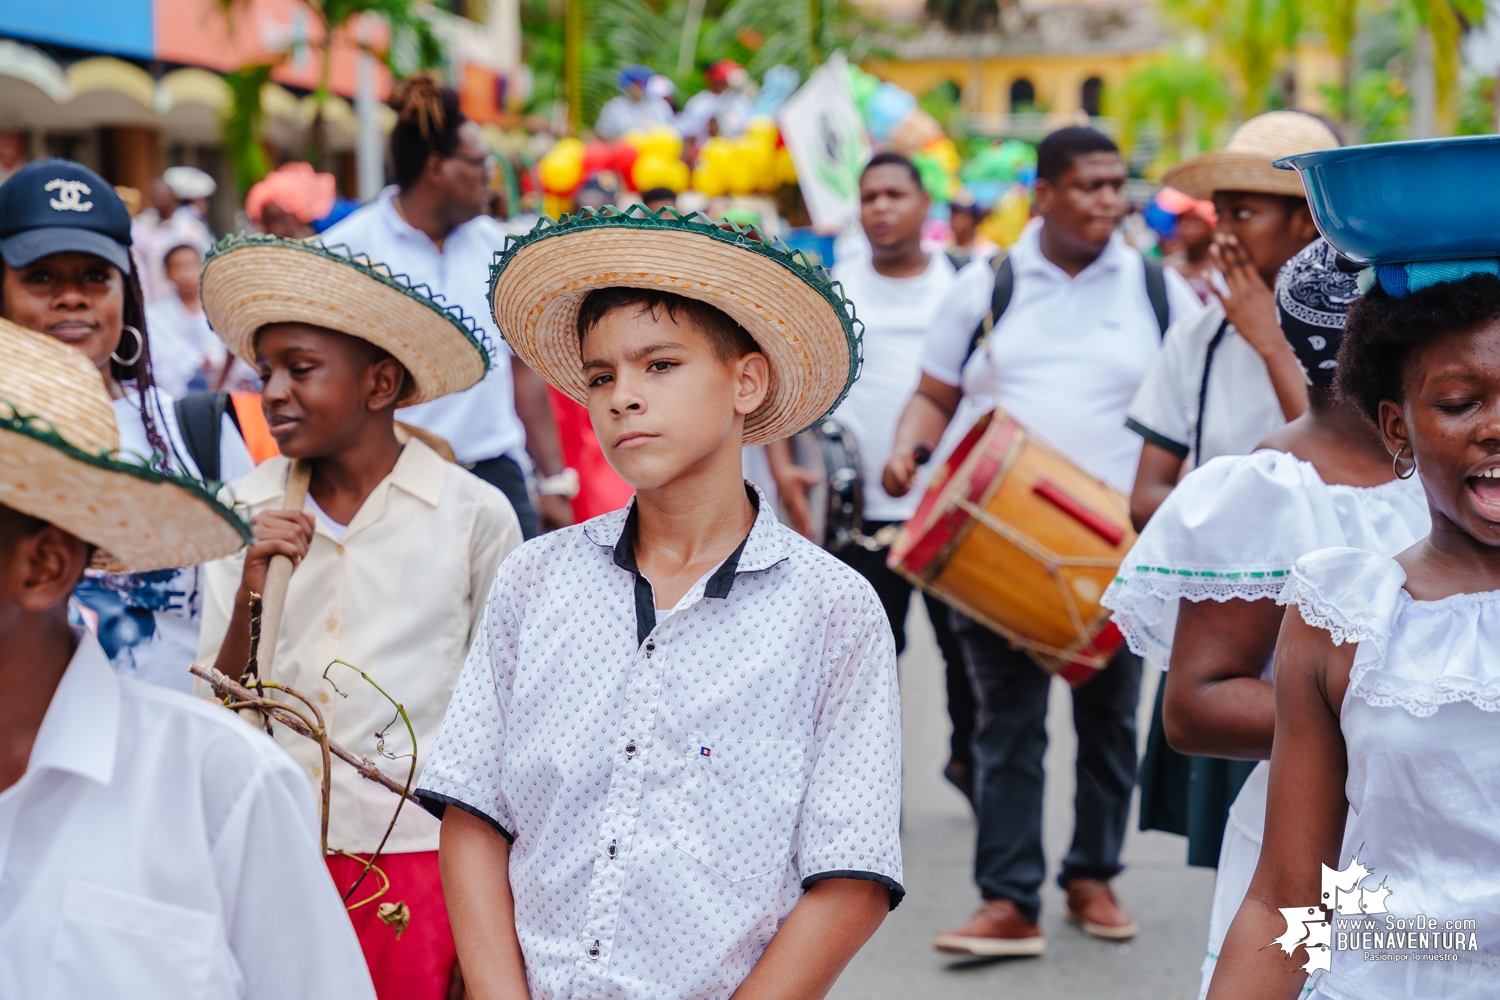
(996, 929)
(1093, 907)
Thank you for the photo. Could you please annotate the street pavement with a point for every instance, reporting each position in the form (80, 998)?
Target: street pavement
(1169, 899)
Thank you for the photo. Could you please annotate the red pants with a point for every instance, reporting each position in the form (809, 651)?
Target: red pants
(419, 964)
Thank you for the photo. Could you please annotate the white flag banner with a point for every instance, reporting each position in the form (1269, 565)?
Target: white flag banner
(829, 143)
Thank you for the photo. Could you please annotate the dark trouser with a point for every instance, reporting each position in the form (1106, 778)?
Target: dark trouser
(1009, 744)
(894, 591)
(505, 474)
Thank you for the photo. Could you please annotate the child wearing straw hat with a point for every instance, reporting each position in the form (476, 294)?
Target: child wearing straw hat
(396, 549)
(672, 764)
(151, 845)
(1226, 376)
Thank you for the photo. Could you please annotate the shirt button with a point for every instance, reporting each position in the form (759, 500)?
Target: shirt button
(323, 697)
(594, 952)
(613, 850)
(341, 550)
(332, 624)
(650, 647)
(630, 749)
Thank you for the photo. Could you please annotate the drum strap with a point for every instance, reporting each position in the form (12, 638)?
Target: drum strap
(1005, 287)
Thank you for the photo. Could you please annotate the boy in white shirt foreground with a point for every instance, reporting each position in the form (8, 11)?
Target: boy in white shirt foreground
(673, 759)
(151, 845)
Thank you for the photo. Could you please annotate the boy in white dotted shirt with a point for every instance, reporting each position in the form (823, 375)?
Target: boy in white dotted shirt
(671, 767)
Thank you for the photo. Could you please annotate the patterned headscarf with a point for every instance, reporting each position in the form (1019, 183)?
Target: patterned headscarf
(1313, 296)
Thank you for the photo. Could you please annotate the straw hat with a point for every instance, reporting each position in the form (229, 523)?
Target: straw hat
(59, 447)
(800, 319)
(1244, 164)
(250, 281)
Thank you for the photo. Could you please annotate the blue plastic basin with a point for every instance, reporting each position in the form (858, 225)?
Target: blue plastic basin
(1429, 199)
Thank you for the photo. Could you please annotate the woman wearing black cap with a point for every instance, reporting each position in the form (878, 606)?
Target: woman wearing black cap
(67, 271)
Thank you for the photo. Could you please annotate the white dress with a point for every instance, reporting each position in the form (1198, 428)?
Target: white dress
(1233, 529)
(1421, 724)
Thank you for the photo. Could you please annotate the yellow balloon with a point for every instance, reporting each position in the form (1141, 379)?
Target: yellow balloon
(561, 166)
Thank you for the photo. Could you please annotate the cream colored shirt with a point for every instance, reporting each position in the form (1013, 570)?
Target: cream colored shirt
(400, 598)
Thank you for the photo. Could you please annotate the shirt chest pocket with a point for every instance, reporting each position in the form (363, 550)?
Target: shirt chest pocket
(737, 803)
(114, 944)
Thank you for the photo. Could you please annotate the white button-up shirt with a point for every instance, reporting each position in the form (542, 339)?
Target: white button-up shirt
(399, 597)
(159, 847)
(673, 781)
(1067, 356)
(479, 422)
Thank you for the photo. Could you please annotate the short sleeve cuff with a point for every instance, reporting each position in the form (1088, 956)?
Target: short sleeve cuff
(898, 892)
(1163, 442)
(437, 803)
(942, 374)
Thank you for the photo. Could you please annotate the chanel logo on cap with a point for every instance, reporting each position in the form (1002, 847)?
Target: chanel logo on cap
(69, 194)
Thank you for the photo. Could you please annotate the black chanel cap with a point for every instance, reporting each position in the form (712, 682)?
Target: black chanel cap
(53, 206)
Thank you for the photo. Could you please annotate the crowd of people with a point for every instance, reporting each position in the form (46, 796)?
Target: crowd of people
(658, 751)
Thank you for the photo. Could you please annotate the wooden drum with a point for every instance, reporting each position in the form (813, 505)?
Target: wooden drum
(1020, 539)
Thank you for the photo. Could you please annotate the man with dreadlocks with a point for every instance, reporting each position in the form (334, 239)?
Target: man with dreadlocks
(431, 226)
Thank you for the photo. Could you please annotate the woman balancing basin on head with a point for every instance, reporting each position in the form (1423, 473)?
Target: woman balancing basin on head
(1387, 729)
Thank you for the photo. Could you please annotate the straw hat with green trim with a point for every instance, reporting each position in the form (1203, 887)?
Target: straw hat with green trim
(253, 280)
(800, 319)
(1244, 164)
(59, 461)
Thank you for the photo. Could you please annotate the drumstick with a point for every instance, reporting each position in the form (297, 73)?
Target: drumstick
(279, 573)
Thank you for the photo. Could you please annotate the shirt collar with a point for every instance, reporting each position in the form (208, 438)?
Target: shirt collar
(1026, 254)
(419, 471)
(81, 729)
(762, 548)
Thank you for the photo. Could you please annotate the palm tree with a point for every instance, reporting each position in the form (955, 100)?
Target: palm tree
(1252, 37)
(1339, 22)
(408, 31)
(1441, 25)
(1183, 97)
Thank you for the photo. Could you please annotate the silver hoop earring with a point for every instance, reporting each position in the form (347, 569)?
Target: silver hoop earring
(140, 346)
(1395, 461)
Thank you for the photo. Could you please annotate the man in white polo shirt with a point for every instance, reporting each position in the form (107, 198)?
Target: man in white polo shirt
(430, 225)
(1065, 358)
(896, 290)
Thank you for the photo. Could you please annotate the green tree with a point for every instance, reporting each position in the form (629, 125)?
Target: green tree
(1447, 21)
(1185, 99)
(1338, 20)
(412, 42)
(1250, 37)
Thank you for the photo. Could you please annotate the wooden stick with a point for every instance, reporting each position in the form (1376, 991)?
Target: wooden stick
(226, 688)
(279, 573)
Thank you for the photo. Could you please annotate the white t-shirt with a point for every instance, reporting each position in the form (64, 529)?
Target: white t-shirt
(1065, 359)
(181, 344)
(1239, 404)
(897, 313)
(480, 422)
(148, 622)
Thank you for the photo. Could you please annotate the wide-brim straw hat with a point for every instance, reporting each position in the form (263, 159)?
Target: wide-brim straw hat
(1244, 164)
(60, 462)
(801, 320)
(253, 280)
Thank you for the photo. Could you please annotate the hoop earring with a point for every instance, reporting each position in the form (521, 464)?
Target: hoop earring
(140, 346)
(1396, 458)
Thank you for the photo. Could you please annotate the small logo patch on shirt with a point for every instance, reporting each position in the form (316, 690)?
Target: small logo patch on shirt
(705, 752)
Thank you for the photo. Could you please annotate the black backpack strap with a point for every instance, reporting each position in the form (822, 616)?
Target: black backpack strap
(1208, 365)
(1005, 286)
(1156, 291)
(200, 415)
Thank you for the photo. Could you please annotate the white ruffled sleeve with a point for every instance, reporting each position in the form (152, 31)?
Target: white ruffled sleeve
(1352, 594)
(1232, 529)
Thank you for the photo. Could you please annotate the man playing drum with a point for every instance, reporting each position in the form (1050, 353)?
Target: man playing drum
(1065, 359)
(898, 290)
